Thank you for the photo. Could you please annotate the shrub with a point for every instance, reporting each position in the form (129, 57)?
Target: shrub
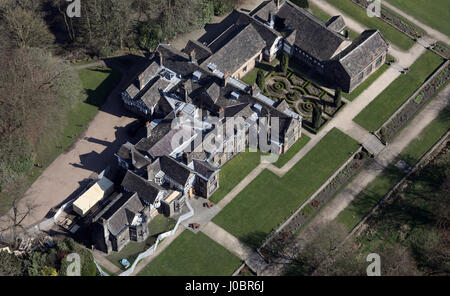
(260, 80)
(284, 62)
(307, 107)
(222, 7)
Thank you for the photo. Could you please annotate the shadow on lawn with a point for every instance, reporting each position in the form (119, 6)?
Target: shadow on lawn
(253, 239)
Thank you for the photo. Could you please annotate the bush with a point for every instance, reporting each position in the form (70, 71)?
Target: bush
(222, 7)
(260, 80)
(307, 107)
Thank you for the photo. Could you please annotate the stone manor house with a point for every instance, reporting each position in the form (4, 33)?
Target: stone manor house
(188, 97)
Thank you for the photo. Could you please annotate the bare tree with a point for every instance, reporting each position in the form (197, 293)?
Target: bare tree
(14, 221)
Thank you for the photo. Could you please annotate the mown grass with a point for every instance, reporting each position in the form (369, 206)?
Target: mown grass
(193, 255)
(383, 106)
(390, 176)
(268, 200)
(434, 13)
(284, 158)
(234, 171)
(360, 15)
(325, 17)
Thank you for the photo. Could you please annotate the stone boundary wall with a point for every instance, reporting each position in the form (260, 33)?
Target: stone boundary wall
(413, 104)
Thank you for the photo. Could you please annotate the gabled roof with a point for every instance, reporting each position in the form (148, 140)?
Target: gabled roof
(201, 51)
(312, 35)
(174, 169)
(153, 94)
(363, 51)
(146, 190)
(237, 51)
(204, 169)
(213, 91)
(121, 212)
(336, 23)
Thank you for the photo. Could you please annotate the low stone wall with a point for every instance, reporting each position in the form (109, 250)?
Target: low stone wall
(407, 111)
(395, 21)
(277, 240)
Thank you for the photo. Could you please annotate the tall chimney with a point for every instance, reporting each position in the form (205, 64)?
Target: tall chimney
(192, 56)
(149, 129)
(254, 91)
(141, 81)
(225, 78)
(277, 2)
(160, 58)
(187, 89)
(221, 113)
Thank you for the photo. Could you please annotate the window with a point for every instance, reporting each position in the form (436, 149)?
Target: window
(369, 70)
(360, 77)
(379, 60)
(245, 69)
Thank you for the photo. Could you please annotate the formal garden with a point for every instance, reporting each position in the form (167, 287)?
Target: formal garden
(312, 102)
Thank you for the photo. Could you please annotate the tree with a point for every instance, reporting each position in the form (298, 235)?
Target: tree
(25, 27)
(149, 35)
(317, 114)
(337, 97)
(14, 221)
(10, 265)
(261, 80)
(284, 62)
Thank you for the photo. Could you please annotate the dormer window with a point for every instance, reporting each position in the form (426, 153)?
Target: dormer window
(196, 75)
(234, 96)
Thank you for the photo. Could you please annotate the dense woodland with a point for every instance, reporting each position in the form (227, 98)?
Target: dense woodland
(37, 38)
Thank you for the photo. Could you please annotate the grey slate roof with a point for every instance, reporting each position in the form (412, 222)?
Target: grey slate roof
(121, 211)
(174, 169)
(153, 94)
(204, 169)
(237, 51)
(312, 35)
(201, 51)
(363, 51)
(336, 23)
(146, 190)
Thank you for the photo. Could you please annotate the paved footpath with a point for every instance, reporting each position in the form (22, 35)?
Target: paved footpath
(430, 31)
(367, 175)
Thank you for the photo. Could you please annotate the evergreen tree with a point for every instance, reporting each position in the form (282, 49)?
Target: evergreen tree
(317, 114)
(284, 62)
(337, 97)
(260, 80)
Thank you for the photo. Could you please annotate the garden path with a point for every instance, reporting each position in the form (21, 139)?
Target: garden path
(367, 175)
(430, 31)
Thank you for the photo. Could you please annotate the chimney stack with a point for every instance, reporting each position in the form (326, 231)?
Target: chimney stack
(277, 2)
(187, 157)
(192, 57)
(160, 58)
(254, 91)
(221, 113)
(225, 78)
(149, 129)
(187, 89)
(141, 81)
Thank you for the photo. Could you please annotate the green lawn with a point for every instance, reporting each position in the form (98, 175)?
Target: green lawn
(383, 106)
(283, 159)
(193, 255)
(97, 82)
(430, 135)
(388, 178)
(250, 78)
(360, 15)
(363, 86)
(158, 225)
(234, 171)
(268, 200)
(434, 13)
